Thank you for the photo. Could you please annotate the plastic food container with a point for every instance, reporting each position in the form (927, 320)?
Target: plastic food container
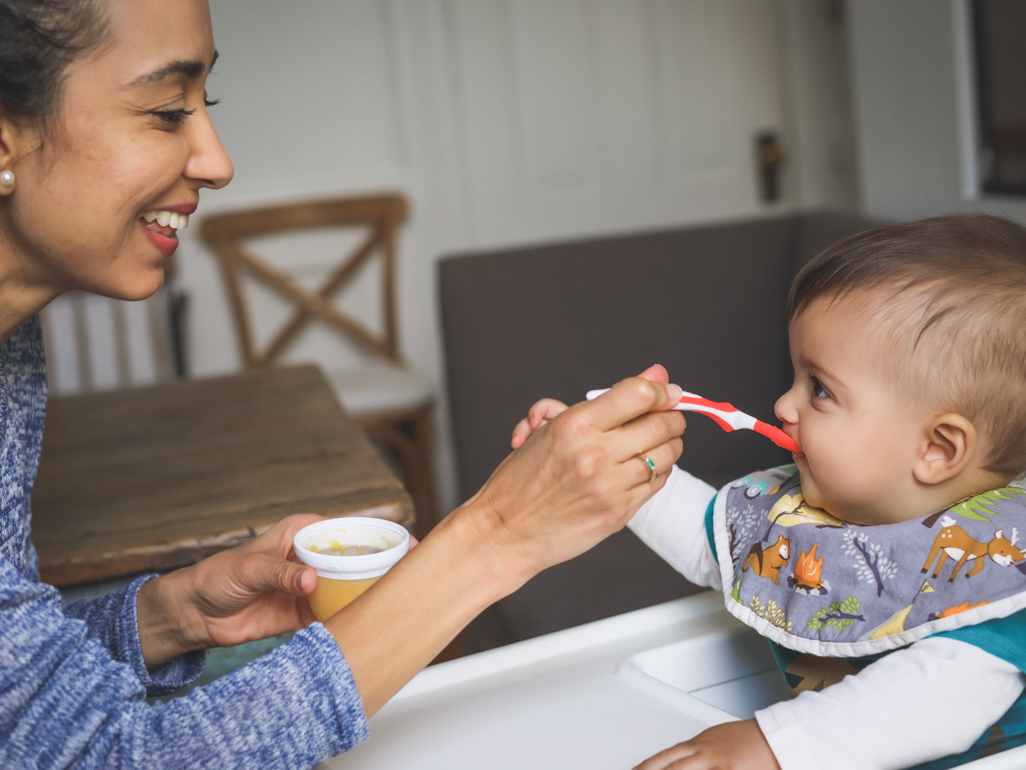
(350, 554)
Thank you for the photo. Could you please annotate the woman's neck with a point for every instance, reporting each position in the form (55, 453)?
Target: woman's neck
(24, 290)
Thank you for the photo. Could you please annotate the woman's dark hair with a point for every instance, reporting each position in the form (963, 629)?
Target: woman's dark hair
(38, 40)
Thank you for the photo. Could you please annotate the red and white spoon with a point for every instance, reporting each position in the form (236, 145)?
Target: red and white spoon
(727, 416)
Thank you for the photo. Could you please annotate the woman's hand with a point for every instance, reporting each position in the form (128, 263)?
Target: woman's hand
(542, 412)
(575, 481)
(254, 591)
(579, 477)
(730, 746)
(251, 592)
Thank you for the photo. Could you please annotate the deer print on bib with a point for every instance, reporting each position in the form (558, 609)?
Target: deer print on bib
(955, 543)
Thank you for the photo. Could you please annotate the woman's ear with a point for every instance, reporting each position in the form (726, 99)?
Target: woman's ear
(14, 135)
(948, 445)
(8, 153)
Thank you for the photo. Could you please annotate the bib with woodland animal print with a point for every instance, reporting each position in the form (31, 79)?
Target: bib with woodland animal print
(816, 584)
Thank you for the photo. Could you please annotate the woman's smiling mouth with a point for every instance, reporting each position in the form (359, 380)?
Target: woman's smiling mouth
(162, 226)
(166, 218)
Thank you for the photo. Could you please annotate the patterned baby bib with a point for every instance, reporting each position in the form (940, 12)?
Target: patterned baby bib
(818, 585)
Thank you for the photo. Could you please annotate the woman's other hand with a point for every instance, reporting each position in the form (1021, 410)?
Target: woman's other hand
(254, 591)
(250, 592)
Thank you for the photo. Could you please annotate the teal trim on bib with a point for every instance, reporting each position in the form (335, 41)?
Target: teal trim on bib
(709, 528)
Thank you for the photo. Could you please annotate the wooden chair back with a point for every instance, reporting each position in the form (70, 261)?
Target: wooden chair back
(382, 215)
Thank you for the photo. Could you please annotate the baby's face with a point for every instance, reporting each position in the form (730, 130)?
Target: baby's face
(858, 437)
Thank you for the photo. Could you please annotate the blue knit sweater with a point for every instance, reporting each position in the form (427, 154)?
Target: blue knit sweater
(72, 678)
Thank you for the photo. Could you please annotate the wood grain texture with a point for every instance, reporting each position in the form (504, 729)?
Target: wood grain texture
(160, 477)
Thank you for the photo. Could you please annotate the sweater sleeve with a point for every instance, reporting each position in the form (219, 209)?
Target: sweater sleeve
(112, 620)
(672, 523)
(65, 701)
(891, 700)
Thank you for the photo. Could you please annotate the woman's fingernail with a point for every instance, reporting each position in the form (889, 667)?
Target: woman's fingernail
(674, 392)
(299, 581)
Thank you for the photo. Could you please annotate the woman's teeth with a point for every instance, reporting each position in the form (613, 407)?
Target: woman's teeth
(167, 218)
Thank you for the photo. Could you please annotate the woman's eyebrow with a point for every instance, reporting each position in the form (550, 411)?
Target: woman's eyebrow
(191, 69)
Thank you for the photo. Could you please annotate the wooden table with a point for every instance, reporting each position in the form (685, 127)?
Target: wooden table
(160, 477)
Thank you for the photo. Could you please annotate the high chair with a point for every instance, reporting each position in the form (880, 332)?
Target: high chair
(392, 403)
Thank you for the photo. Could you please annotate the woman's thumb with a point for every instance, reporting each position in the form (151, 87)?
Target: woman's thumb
(291, 578)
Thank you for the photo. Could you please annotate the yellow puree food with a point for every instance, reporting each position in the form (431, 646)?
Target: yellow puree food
(332, 595)
(334, 549)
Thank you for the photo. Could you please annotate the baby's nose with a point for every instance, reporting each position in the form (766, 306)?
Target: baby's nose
(785, 410)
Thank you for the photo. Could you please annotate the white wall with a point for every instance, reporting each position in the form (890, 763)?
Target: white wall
(505, 121)
(912, 84)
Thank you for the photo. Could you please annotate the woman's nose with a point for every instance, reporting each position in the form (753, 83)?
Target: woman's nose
(208, 164)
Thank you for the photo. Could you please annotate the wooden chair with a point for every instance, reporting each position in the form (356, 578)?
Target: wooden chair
(389, 401)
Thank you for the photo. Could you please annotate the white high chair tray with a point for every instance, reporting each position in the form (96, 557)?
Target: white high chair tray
(603, 695)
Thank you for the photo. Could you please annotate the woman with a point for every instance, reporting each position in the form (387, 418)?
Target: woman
(103, 120)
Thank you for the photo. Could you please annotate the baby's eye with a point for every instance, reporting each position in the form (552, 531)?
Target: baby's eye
(818, 391)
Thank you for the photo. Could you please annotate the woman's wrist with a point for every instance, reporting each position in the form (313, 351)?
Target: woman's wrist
(488, 549)
(161, 614)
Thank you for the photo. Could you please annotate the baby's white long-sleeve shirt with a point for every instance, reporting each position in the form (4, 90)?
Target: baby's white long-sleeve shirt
(885, 703)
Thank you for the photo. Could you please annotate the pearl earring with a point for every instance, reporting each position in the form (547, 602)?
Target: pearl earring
(7, 178)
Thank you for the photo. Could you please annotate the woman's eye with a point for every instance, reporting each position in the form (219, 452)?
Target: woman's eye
(818, 391)
(210, 102)
(173, 118)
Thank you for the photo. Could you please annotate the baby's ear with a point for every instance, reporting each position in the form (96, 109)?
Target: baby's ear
(948, 445)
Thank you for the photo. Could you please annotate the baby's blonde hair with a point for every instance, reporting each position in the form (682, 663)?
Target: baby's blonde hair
(953, 291)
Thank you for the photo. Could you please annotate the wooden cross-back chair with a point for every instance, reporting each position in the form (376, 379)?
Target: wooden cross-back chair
(390, 401)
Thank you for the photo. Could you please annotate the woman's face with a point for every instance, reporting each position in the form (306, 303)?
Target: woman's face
(132, 136)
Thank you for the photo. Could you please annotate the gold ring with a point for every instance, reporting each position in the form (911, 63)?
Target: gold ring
(652, 474)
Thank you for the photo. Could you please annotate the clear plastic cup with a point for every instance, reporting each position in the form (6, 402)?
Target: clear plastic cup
(350, 554)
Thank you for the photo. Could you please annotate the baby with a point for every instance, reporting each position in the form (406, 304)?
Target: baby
(890, 551)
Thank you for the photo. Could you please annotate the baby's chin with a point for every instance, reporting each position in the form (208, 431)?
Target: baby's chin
(814, 498)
